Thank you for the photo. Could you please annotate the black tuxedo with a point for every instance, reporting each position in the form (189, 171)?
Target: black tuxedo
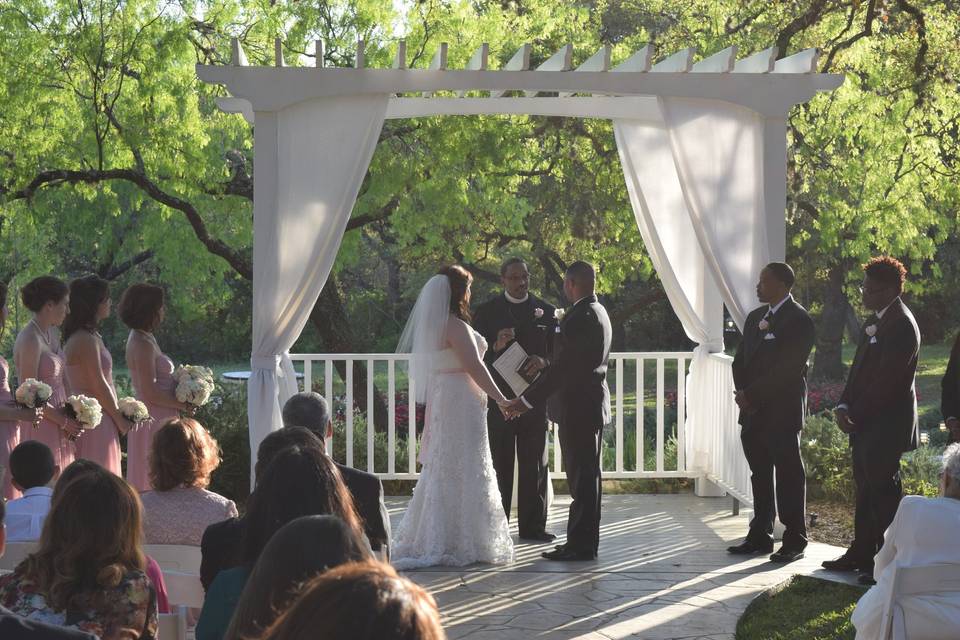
(526, 434)
(950, 385)
(577, 382)
(770, 368)
(220, 545)
(13, 627)
(881, 401)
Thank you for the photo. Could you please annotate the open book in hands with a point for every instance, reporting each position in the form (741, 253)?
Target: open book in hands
(512, 367)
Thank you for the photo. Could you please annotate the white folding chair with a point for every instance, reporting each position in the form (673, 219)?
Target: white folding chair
(15, 554)
(916, 581)
(173, 626)
(183, 589)
(175, 557)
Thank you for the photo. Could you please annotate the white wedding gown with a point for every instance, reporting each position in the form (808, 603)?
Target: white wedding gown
(455, 516)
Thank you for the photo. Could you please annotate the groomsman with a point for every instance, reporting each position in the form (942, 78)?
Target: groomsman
(518, 316)
(950, 393)
(878, 408)
(770, 375)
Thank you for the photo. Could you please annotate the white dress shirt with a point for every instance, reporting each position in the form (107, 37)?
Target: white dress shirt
(25, 515)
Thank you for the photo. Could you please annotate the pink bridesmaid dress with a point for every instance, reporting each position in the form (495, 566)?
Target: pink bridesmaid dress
(102, 445)
(50, 371)
(9, 433)
(140, 441)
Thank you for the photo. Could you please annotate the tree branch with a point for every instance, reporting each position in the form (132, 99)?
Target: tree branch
(849, 42)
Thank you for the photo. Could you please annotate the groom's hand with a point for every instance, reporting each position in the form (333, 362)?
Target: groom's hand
(515, 408)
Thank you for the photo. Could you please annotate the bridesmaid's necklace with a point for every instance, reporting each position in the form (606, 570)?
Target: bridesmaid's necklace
(44, 335)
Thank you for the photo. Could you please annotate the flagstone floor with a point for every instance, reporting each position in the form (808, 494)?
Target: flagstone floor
(663, 573)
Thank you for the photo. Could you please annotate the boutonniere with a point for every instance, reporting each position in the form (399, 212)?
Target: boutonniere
(538, 313)
(871, 330)
(558, 314)
(764, 325)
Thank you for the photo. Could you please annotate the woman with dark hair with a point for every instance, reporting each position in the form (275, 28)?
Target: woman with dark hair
(88, 572)
(89, 369)
(299, 551)
(37, 355)
(456, 516)
(10, 413)
(180, 508)
(300, 481)
(360, 601)
(142, 309)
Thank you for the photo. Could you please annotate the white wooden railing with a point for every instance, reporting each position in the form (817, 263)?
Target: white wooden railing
(659, 377)
(725, 465)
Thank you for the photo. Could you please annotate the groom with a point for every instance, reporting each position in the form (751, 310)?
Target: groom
(576, 377)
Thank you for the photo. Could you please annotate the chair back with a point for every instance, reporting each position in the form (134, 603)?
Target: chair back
(183, 589)
(175, 557)
(937, 579)
(16, 553)
(173, 626)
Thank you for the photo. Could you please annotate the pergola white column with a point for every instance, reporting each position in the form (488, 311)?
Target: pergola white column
(631, 91)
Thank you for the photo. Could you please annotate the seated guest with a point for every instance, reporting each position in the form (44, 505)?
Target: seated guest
(179, 509)
(311, 410)
(88, 572)
(220, 546)
(300, 481)
(77, 468)
(924, 532)
(299, 551)
(32, 469)
(17, 628)
(360, 601)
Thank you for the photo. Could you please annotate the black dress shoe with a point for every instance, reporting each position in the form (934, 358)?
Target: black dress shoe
(845, 562)
(749, 548)
(541, 536)
(786, 554)
(568, 554)
(866, 578)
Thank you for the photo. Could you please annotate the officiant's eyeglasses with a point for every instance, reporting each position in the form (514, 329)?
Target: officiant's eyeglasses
(872, 291)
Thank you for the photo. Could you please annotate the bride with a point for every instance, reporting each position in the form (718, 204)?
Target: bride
(455, 516)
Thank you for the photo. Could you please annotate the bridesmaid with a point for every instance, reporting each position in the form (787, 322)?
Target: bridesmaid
(10, 413)
(151, 371)
(37, 355)
(89, 369)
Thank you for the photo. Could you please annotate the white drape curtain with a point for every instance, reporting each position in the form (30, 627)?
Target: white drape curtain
(323, 151)
(696, 186)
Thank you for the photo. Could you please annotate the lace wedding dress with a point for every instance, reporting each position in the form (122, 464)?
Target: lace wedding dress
(455, 516)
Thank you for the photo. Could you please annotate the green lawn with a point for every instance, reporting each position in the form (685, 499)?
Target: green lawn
(803, 609)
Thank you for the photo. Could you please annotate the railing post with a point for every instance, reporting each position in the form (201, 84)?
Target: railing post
(371, 422)
(392, 418)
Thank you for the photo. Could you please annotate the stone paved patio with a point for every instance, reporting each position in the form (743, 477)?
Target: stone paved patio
(663, 573)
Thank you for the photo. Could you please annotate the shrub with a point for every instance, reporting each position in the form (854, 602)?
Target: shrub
(823, 396)
(226, 419)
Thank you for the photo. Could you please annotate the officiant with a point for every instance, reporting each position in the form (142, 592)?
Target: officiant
(518, 316)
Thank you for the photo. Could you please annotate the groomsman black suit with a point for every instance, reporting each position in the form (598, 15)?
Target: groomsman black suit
(770, 369)
(950, 392)
(881, 401)
(526, 434)
(577, 380)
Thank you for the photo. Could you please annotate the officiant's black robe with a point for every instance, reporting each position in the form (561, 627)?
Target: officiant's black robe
(527, 434)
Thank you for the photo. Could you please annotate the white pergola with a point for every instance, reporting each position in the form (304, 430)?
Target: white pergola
(702, 145)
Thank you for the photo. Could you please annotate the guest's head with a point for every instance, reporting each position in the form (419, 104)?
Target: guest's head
(48, 298)
(776, 281)
(311, 410)
(89, 304)
(299, 481)
(141, 307)
(184, 454)
(91, 539)
(515, 277)
(74, 470)
(579, 281)
(460, 281)
(279, 440)
(299, 551)
(361, 601)
(883, 279)
(32, 465)
(950, 475)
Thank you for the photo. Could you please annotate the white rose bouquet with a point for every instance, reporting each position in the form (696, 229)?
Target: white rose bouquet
(133, 410)
(85, 410)
(33, 394)
(194, 384)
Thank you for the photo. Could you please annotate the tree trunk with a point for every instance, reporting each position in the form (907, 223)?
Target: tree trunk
(828, 363)
(331, 321)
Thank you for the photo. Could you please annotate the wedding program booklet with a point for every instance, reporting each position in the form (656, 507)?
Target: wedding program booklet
(510, 364)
